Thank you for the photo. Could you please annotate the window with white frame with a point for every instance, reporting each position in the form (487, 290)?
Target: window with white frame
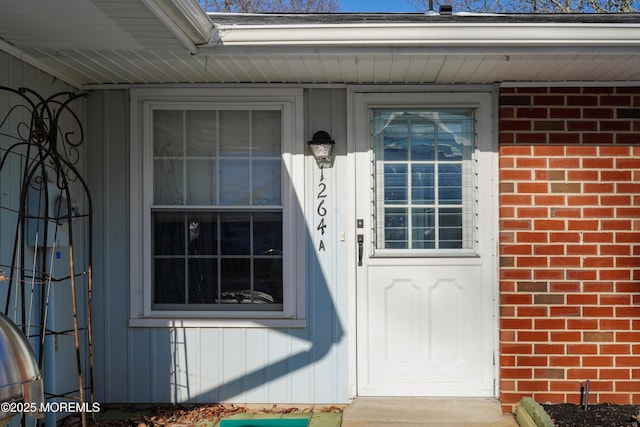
(219, 219)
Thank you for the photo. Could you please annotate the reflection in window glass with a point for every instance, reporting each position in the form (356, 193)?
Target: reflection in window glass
(424, 164)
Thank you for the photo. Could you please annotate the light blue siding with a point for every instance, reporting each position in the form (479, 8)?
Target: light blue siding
(243, 365)
(60, 369)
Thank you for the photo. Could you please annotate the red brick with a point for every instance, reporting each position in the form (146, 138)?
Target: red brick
(582, 349)
(597, 138)
(598, 287)
(565, 237)
(597, 212)
(594, 262)
(614, 324)
(564, 113)
(515, 125)
(549, 250)
(582, 299)
(583, 175)
(515, 175)
(533, 187)
(615, 100)
(531, 361)
(583, 224)
(628, 163)
(570, 336)
(581, 249)
(516, 373)
(549, 224)
(531, 112)
(582, 373)
(597, 361)
(582, 200)
(564, 163)
(533, 212)
(614, 349)
(549, 200)
(614, 151)
(597, 311)
(544, 324)
(597, 163)
(613, 374)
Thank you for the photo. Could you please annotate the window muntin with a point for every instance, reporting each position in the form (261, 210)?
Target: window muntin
(217, 213)
(424, 180)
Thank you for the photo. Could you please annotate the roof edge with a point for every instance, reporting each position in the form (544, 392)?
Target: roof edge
(188, 22)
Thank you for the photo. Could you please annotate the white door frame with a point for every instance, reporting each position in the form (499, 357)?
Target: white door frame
(352, 131)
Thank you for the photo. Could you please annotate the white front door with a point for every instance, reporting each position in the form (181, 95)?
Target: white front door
(426, 244)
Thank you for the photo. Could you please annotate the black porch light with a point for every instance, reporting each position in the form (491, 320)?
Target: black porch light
(321, 146)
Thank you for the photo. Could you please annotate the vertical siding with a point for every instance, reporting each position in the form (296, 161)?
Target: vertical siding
(60, 372)
(253, 365)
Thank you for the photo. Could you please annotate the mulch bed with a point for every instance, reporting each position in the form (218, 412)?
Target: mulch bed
(177, 415)
(597, 415)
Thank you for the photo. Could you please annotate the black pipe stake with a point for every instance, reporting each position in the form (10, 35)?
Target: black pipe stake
(586, 395)
(581, 394)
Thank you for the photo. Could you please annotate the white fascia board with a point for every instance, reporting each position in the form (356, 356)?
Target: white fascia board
(432, 34)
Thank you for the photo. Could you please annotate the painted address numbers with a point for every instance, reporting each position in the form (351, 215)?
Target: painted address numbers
(322, 211)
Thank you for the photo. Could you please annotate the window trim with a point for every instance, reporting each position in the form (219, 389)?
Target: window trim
(289, 101)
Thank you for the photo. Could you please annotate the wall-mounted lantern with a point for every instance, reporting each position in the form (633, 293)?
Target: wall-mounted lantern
(322, 148)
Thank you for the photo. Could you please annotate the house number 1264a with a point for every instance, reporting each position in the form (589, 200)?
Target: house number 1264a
(322, 211)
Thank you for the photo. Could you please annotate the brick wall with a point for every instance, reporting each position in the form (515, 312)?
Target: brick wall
(570, 244)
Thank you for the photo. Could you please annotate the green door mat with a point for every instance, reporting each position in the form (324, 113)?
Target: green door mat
(279, 422)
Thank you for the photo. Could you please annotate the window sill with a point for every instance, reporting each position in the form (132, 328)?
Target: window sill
(163, 322)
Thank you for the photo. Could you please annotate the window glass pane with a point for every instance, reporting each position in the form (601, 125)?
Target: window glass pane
(168, 233)
(267, 234)
(395, 183)
(169, 281)
(235, 234)
(203, 280)
(450, 183)
(450, 224)
(423, 142)
(235, 276)
(201, 133)
(203, 233)
(268, 279)
(266, 182)
(168, 131)
(266, 133)
(423, 230)
(234, 133)
(422, 184)
(396, 143)
(396, 231)
(168, 182)
(201, 182)
(234, 182)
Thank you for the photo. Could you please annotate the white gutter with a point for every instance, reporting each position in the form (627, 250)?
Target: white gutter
(463, 34)
(186, 20)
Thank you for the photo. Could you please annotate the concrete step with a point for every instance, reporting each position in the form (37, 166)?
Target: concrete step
(425, 412)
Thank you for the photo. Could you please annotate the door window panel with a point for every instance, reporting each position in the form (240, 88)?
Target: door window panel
(424, 163)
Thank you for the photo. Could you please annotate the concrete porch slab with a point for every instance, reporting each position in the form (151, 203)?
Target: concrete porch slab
(427, 412)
